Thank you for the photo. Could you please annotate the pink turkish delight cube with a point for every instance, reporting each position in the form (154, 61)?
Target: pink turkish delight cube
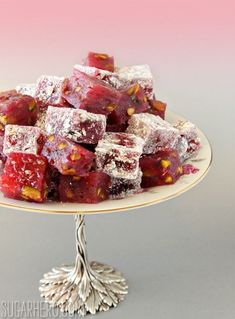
(78, 125)
(26, 89)
(101, 61)
(117, 154)
(155, 132)
(91, 94)
(22, 139)
(123, 187)
(49, 91)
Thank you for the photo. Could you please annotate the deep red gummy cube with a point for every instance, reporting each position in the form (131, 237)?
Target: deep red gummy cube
(68, 157)
(161, 168)
(16, 108)
(93, 95)
(100, 61)
(157, 108)
(92, 188)
(24, 177)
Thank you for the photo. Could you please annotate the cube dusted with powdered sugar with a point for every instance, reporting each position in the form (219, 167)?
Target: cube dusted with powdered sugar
(155, 132)
(26, 89)
(78, 125)
(23, 139)
(49, 91)
(117, 154)
(123, 187)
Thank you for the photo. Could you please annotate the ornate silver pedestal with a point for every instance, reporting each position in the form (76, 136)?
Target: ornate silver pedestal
(84, 287)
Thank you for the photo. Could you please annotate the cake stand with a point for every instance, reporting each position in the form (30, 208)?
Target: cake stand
(90, 287)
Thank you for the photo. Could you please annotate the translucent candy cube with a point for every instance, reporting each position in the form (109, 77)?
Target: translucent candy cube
(23, 139)
(122, 187)
(78, 125)
(155, 132)
(117, 154)
(100, 60)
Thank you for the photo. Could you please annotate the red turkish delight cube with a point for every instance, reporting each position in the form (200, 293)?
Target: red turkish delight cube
(24, 177)
(49, 91)
(156, 132)
(122, 187)
(78, 125)
(157, 108)
(117, 154)
(161, 168)
(91, 94)
(92, 188)
(100, 60)
(68, 157)
(23, 139)
(16, 108)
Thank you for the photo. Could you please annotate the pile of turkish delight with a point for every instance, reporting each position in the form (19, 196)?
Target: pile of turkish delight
(97, 134)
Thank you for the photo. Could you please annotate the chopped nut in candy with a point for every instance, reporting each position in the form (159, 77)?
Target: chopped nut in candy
(78, 125)
(24, 177)
(156, 132)
(92, 188)
(16, 108)
(101, 61)
(68, 157)
(161, 168)
(23, 139)
(157, 108)
(117, 154)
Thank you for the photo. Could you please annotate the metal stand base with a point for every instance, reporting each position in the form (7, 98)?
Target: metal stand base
(85, 287)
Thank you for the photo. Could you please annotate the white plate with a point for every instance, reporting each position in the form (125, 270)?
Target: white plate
(149, 197)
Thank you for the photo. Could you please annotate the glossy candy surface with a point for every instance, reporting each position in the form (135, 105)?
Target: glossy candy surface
(100, 60)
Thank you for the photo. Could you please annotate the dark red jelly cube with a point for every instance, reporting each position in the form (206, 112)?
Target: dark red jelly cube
(161, 168)
(16, 108)
(24, 177)
(157, 108)
(91, 94)
(92, 188)
(68, 157)
(100, 61)
(53, 178)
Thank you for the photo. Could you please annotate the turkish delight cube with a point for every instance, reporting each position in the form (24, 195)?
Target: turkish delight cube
(91, 94)
(137, 73)
(155, 132)
(92, 188)
(26, 89)
(24, 177)
(53, 178)
(122, 187)
(157, 108)
(16, 108)
(117, 154)
(23, 139)
(78, 125)
(189, 136)
(68, 157)
(100, 60)
(161, 168)
(49, 91)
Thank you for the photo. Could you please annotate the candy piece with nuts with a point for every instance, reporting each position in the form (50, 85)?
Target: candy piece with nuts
(101, 61)
(91, 94)
(16, 108)
(92, 188)
(189, 136)
(49, 91)
(117, 154)
(157, 108)
(68, 157)
(161, 168)
(156, 132)
(78, 125)
(24, 177)
(23, 139)
(122, 187)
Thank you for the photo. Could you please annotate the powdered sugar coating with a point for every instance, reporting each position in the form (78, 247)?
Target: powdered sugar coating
(22, 139)
(41, 118)
(26, 89)
(117, 154)
(78, 125)
(155, 132)
(122, 187)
